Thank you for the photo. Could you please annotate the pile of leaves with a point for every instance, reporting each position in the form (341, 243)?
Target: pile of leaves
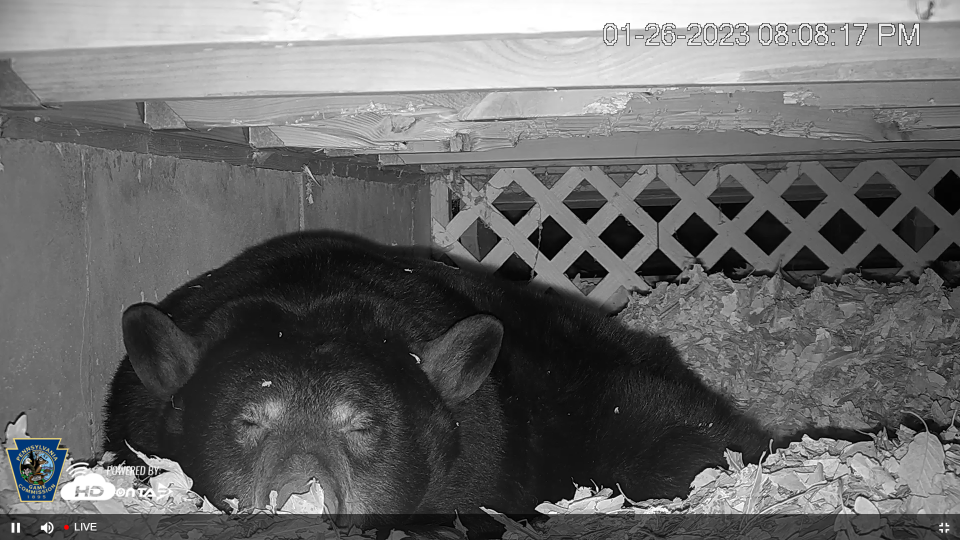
(868, 483)
(849, 355)
(873, 483)
(854, 354)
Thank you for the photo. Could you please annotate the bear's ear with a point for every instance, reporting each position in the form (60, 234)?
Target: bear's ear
(460, 360)
(162, 355)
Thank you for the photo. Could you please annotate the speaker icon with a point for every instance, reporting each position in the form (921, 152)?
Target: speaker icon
(47, 527)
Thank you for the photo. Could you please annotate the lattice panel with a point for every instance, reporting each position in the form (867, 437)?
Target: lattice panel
(479, 204)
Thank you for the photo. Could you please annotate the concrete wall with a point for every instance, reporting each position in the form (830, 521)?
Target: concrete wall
(85, 232)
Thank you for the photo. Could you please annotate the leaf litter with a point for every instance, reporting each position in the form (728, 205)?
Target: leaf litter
(850, 355)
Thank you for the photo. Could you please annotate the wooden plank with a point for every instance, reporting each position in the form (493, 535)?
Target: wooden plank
(920, 117)
(146, 142)
(124, 114)
(864, 94)
(942, 134)
(575, 60)
(273, 111)
(915, 165)
(756, 113)
(871, 95)
(335, 144)
(62, 24)
(474, 106)
(361, 171)
(371, 133)
(765, 112)
(584, 127)
(235, 136)
(753, 112)
(688, 162)
(541, 103)
(86, 232)
(673, 147)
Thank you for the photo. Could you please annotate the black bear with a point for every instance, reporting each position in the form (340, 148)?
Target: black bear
(405, 387)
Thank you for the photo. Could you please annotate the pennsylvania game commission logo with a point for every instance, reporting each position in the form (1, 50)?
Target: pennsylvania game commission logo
(36, 465)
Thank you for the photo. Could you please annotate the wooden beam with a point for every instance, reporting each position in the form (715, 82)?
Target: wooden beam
(756, 112)
(673, 147)
(63, 24)
(279, 111)
(359, 171)
(373, 133)
(192, 146)
(284, 137)
(492, 63)
(753, 112)
(217, 145)
(474, 106)
(864, 94)
(693, 170)
(920, 117)
(871, 94)
(579, 129)
(366, 133)
(684, 162)
(940, 134)
(123, 114)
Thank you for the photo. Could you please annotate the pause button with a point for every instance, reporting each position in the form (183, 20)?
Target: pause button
(14, 527)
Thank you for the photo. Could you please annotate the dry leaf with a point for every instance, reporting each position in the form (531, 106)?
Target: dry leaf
(924, 460)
